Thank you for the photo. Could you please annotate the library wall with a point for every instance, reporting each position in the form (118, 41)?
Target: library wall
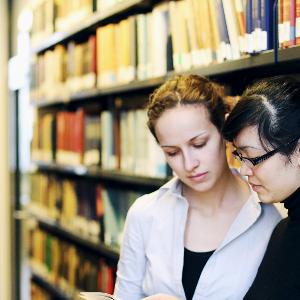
(91, 152)
(5, 208)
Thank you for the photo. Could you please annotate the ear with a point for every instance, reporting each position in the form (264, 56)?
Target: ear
(297, 152)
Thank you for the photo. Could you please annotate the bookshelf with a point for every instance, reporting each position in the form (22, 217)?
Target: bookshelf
(75, 85)
(287, 58)
(65, 234)
(97, 173)
(53, 291)
(67, 263)
(122, 8)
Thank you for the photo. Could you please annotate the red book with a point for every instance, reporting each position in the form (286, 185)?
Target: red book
(93, 49)
(99, 202)
(77, 130)
(111, 271)
(60, 130)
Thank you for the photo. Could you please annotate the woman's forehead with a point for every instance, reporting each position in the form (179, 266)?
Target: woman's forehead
(248, 138)
(182, 124)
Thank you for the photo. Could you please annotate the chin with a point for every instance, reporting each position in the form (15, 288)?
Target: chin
(266, 198)
(200, 187)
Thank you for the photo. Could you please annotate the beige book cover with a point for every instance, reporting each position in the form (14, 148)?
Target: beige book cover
(97, 296)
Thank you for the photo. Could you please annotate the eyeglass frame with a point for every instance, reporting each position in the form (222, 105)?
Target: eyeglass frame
(259, 159)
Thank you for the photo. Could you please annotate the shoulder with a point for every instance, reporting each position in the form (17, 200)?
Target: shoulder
(144, 204)
(150, 204)
(263, 216)
(269, 217)
(270, 211)
(281, 226)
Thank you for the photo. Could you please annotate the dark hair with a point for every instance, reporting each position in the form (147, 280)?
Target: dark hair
(273, 105)
(187, 90)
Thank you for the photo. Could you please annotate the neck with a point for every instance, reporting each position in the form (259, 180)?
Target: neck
(224, 192)
(292, 203)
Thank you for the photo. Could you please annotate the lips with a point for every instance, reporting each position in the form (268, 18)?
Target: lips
(255, 187)
(198, 177)
(253, 184)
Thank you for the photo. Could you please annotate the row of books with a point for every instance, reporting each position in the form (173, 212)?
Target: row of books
(289, 22)
(176, 35)
(50, 16)
(42, 20)
(81, 206)
(68, 267)
(111, 139)
(63, 71)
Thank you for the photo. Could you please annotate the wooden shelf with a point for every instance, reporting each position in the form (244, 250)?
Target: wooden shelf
(58, 230)
(94, 20)
(98, 93)
(287, 58)
(97, 173)
(53, 290)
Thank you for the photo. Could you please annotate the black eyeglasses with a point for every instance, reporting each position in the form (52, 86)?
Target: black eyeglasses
(252, 162)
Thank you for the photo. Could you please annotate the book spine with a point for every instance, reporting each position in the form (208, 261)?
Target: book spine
(232, 27)
(68, 267)
(286, 23)
(264, 24)
(240, 14)
(292, 40)
(297, 22)
(226, 52)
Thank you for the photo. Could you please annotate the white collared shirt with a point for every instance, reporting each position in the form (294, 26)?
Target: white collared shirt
(151, 259)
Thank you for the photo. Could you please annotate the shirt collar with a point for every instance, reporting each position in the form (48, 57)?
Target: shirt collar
(174, 186)
(246, 217)
(292, 203)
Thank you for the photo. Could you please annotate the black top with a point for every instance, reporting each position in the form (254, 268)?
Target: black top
(278, 276)
(193, 265)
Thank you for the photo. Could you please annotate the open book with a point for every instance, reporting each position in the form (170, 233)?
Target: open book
(97, 296)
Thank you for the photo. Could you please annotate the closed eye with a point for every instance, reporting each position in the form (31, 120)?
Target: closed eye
(198, 146)
(171, 154)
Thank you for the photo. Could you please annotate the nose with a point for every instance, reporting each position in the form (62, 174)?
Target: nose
(190, 162)
(245, 169)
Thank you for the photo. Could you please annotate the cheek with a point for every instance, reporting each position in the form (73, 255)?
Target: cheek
(173, 162)
(215, 153)
(274, 175)
(266, 177)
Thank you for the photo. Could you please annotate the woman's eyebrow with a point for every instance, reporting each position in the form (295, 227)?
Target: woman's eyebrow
(191, 139)
(168, 146)
(246, 147)
(198, 135)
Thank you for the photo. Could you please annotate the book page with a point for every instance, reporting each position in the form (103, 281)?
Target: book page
(97, 296)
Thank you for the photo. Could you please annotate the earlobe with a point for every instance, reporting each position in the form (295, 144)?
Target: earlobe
(298, 155)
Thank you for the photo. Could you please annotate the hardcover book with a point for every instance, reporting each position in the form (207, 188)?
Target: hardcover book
(97, 296)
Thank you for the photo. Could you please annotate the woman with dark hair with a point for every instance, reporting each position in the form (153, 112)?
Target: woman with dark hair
(264, 127)
(203, 234)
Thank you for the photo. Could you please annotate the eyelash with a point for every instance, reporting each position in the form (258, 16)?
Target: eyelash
(172, 154)
(199, 146)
